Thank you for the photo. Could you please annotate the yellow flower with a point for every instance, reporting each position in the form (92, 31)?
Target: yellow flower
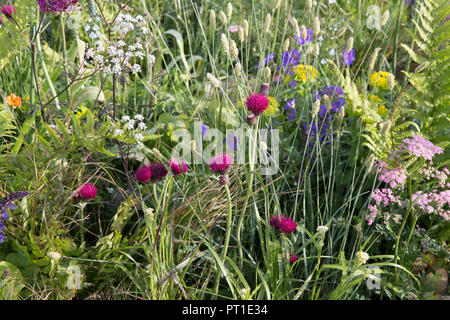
(13, 100)
(375, 99)
(272, 107)
(379, 79)
(382, 111)
(81, 112)
(305, 73)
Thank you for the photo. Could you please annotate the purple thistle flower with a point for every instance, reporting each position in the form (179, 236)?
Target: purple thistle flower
(57, 6)
(349, 56)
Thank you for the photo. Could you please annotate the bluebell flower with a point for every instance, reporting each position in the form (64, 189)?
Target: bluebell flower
(204, 130)
(290, 105)
(266, 60)
(349, 56)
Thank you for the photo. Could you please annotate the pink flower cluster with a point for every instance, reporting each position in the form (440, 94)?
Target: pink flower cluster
(421, 147)
(87, 191)
(55, 6)
(384, 196)
(394, 177)
(373, 210)
(257, 103)
(220, 163)
(431, 172)
(283, 224)
(433, 202)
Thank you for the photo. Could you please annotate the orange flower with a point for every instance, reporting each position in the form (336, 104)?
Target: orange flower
(14, 100)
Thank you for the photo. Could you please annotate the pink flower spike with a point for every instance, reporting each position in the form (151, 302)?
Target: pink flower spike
(88, 191)
(143, 174)
(220, 163)
(8, 11)
(177, 167)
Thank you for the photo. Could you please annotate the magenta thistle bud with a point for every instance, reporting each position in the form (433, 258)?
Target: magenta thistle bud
(221, 163)
(257, 103)
(88, 191)
(158, 171)
(264, 89)
(251, 119)
(177, 167)
(223, 180)
(8, 11)
(143, 174)
(293, 258)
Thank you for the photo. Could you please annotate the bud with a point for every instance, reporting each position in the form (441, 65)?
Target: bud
(268, 22)
(264, 89)
(214, 81)
(386, 127)
(361, 258)
(422, 66)
(223, 180)
(223, 17)
(384, 18)
(226, 46)
(315, 108)
(246, 27)
(229, 10)
(251, 119)
(350, 44)
(327, 102)
(234, 52)
(316, 50)
(212, 18)
(373, 58)
(304, 32)
(286, 45)
(308, 4)
(243, 293)
(193, 145)
(238, 69)
(316, 26)
(391, 81)
(267, 72)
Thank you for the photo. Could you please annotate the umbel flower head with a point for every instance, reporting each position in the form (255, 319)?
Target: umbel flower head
(158, 170)
(257, 103)
(87, 191)
(57, 6)
(143, 174)
(178, 167)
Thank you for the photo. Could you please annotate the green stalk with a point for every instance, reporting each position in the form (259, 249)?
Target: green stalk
(405, 219)
(66, 70)
(397, 26)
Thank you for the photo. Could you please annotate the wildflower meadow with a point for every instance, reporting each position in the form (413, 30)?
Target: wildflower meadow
(224, 150)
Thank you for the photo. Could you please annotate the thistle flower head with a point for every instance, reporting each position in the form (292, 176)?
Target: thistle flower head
(178, 167)
(57, 6)
(158, 171)
(143, 174)
(221, 163)
(87, 191)
(8, 11)
(257, 103)
(283, 224)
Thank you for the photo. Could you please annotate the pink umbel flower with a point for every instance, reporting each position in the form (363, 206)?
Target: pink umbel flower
(394, 177)
(87, 191)
(178, 167)
(8, 11)
(257, 103)
(158, 171)
(221, 163)
(421, 147)
(143, 174)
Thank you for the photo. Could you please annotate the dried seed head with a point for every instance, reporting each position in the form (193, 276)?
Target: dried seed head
(316, 26)
(316, 50)
(234, 52)
(214, 81)
(327, 102)
(296, 27)
(350, 44)
(342, 31)
(384, 18)
(286, 45)
(229, 10)
(267, 23)
(276, 4)
(241, 35)
(370, 162)
(422, 66)
(157, 154)
(373, 58)
(267, 72)
(304, 32)
(223, 17)
(341, 114)
(386, 127)
(308, 4)
(225, 44)
(315, 108)
(212, 18)
(391, 81)
(238, 69)
(246, 28)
